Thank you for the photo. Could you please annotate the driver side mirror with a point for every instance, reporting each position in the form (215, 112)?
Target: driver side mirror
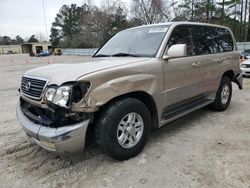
(176, 50)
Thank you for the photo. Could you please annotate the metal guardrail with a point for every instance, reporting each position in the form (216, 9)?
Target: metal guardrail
(79, 51)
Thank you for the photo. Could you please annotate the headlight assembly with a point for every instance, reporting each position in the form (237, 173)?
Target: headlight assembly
(62, 96)
(59, 96)
(65, 94)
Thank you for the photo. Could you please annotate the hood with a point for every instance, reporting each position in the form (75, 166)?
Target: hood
(60, 73)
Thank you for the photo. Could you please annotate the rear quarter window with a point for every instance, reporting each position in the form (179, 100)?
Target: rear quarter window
(225, 40)
(211, 40)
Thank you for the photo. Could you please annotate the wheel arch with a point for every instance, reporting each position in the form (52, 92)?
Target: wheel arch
(229, 74)
(145, 98)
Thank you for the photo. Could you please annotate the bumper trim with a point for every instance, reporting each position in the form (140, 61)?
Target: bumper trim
(66, 139)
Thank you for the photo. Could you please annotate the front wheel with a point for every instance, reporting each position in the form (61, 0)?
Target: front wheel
(123, 128)
(223, 95)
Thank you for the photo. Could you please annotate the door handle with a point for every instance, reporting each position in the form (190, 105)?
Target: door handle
(196, 64)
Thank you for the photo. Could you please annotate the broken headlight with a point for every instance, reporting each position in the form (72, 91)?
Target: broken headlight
(65, 94)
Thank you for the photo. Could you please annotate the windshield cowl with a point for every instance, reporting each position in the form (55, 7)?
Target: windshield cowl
(121, 54)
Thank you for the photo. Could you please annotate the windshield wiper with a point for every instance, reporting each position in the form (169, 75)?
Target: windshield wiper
(125, 54)
(102, 55)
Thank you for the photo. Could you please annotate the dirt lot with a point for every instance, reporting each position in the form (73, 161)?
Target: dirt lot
(202, 149)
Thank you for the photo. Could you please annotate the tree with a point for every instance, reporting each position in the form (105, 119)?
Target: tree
(6, 40)
(66, 23)
(19, 40)
(95, 27)
(185, 11)
(117, 18)
(195, 10)
(100, 25)
(32, 39)
(150, 11)
(230, 15)
(222, 11)
(248, 27)
(91, 27)
(245, 20)
(54, 36)
(228, 9)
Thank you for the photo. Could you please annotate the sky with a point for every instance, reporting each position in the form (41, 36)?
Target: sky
(25, 17)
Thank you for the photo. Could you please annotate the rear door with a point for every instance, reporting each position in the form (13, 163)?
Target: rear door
(213, 49)
(207, 50)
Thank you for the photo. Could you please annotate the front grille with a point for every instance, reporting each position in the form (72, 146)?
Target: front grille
(33, 87)
(247, 65)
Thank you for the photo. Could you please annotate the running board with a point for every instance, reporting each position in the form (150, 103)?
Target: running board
(177, 111)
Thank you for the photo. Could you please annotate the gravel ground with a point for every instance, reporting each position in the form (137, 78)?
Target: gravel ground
(202, 149)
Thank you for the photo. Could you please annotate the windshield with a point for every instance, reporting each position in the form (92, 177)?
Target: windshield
(137, 42)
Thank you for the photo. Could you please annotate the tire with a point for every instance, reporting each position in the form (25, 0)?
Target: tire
(110, 139)
(221, 103)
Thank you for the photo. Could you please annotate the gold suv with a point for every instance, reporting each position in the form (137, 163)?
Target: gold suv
(142, 78)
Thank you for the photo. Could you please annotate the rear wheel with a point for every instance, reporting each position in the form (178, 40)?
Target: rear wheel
(123, 128)
(223, 95)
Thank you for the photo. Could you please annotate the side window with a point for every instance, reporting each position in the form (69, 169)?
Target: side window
(205, 40)
(182, 35)
(225, 40)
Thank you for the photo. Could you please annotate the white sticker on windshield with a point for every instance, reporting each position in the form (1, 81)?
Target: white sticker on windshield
(158, 30)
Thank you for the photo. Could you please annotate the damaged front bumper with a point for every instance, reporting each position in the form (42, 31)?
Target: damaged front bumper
(66, 139)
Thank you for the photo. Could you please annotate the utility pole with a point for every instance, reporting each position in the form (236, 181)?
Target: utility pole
(45, 22)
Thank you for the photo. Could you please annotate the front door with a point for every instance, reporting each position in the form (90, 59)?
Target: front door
(182, 76)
